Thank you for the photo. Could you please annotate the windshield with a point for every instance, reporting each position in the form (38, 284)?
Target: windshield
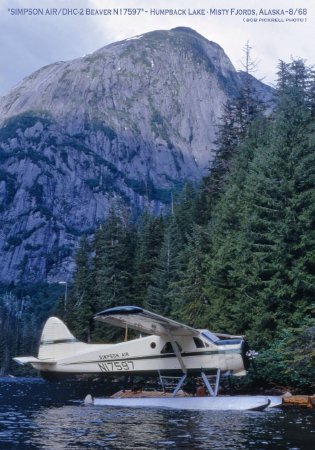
(209, 336)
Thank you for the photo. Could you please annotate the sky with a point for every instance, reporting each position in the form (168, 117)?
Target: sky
(28, 42)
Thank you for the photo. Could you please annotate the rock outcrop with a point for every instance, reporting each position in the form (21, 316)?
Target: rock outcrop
(125, 125)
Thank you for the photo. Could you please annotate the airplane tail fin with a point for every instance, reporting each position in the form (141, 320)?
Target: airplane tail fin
(56, 340)
(56, 343)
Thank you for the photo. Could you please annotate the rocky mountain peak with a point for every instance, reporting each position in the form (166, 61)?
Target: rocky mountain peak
(126, 124)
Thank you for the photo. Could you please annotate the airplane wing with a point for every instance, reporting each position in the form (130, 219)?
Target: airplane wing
(144, 321)
(229, 336)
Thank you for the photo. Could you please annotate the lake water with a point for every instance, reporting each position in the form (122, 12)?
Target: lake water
(39, 415)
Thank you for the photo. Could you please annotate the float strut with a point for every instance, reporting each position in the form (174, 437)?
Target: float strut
(212, 392)
(217, 382)
(179, 384)
(161, 381)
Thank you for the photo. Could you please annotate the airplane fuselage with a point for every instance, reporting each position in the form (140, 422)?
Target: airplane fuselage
(146, 355)
(170, 348)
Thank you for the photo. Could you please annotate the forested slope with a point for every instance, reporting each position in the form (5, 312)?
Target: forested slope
(233, 255)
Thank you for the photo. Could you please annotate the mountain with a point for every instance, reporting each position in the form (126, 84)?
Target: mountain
(125, 125)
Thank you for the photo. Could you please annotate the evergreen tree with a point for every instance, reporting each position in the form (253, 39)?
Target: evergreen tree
(243, 117)
(259, 267)
(81, 301)
(157, 298)
(280, 190)
(172, 261)
(184, 211)
(289, 359)
(113, 266)
(19, 331)
(189, 302)
(149, 241)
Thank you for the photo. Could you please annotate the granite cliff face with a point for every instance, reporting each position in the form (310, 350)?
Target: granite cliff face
(124, 125)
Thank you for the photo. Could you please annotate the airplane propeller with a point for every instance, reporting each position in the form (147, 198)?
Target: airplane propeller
(251, 355)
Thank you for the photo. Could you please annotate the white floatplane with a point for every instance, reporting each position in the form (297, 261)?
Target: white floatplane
(170, 348)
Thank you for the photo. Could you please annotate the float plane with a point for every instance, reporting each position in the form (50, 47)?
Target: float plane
(168, 349)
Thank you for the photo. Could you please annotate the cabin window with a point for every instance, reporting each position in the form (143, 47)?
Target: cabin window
(153, 345)
(168, 348)
(198, 343)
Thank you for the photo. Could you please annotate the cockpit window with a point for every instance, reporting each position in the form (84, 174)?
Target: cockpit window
(198, 343)
(210, 336)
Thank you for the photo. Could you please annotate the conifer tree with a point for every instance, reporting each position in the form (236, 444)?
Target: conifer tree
(189, 302)
(81, 300)
(280, 190)
(173, 258)
(236, 124)
(184, 211)
(149, 242)
(259, 276)
(113, 266)
(157, 298)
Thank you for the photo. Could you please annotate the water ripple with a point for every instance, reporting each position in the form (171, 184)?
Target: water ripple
(31, 418)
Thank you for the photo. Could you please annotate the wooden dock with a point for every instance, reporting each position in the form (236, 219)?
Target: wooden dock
(305, 401)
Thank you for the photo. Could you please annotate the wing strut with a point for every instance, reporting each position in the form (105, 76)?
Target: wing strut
(177, 352)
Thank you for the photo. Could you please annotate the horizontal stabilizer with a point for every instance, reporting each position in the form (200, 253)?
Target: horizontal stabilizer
(31, 360)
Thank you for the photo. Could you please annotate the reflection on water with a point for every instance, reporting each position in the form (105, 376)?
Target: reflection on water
(33, 416)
